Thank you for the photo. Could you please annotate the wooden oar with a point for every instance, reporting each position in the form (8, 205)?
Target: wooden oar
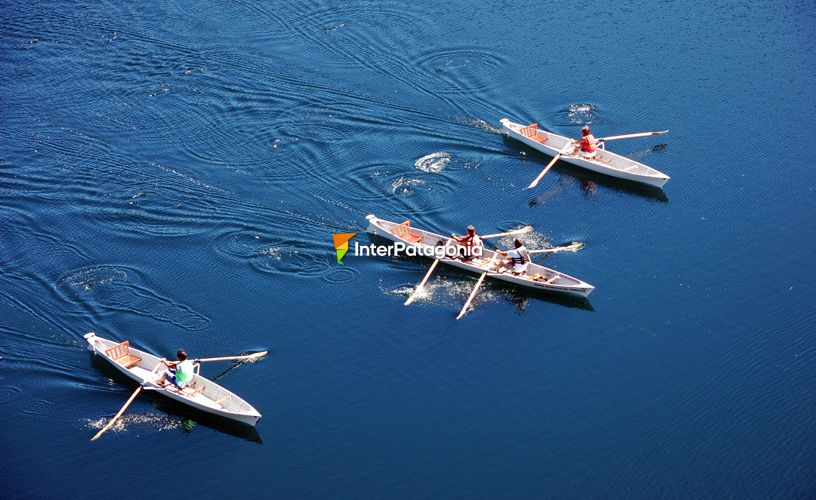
(472, 294)
(525, 229)
(421, 283)
(476, 288)
(632, 136)
(127, 403)
(549, 166)
(414, 295)
(110, 424)
(234, 358)
(572, 247)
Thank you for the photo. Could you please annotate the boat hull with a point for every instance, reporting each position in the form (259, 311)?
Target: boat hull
(213, 399)
(549, 280)
(606, 162)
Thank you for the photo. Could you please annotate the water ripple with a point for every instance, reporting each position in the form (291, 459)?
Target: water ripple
(117, 289)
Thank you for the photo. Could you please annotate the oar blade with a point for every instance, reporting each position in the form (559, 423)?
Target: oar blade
(244, 357)
(116, 417)
(546, 169)
(421, 285)
(472, 295)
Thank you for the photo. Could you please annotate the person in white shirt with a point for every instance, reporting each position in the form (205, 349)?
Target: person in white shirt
(517, 258)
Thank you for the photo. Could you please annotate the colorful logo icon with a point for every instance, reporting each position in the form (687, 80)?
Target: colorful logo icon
(341, 244)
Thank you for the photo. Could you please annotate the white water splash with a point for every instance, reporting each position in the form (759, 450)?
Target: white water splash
(581, 113)
(156, 421)
(434, 162)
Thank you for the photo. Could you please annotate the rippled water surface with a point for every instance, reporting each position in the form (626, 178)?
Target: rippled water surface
(172, 174)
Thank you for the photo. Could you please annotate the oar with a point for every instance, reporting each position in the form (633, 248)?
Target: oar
(234, 358)
(572, 247)
(110, 424)
(472, 294)
(632, 136)
(127, 403)
(414, 295)
(421, 283)
(525, 229)
(476, 288)
(549, 166)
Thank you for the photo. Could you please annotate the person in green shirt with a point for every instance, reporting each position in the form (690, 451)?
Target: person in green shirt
(179, 373)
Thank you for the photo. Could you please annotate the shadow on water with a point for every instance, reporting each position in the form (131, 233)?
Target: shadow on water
(587, 178)
(189, 418)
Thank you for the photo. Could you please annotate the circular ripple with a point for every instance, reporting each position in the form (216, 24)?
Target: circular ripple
(9, 393)
(273, 256)
(340, 275)
(405, 186)
(461, 70)
(39, 407)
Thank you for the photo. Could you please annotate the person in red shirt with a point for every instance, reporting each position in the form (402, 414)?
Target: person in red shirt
(587, 145)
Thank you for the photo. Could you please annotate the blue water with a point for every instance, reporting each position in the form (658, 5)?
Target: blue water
(171, 174)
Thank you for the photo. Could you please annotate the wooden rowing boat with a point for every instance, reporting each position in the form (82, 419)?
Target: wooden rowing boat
(535, 277)
(201, 394)
(604, 162)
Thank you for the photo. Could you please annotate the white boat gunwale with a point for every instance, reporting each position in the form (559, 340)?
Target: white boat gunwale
(553, 281)
(204, 395)
(607, 162)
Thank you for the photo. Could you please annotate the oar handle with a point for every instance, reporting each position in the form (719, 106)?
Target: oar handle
(633, 136)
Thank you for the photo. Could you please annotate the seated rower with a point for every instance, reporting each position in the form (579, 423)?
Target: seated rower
(470, 245)
(179, 373)
(517, 259)
(586, 145)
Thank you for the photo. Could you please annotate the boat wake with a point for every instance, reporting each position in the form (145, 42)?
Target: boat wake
(117, 289)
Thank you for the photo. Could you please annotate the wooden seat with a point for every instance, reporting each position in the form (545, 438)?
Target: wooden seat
(530, 130)
(403, 231)
(121, 354)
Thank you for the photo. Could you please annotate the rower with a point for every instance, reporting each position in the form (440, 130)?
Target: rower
(179, 373)
(470, 244)
(518, 259)
(587, 144)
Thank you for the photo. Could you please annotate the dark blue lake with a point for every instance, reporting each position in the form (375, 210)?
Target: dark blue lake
(172, 174)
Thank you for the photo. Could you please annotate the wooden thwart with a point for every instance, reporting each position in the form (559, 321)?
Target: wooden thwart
(403, 231)
(121, 354)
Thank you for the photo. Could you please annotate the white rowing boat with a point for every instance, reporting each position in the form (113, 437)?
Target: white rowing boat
(535, 277)
(604, 162)
(201, 394)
